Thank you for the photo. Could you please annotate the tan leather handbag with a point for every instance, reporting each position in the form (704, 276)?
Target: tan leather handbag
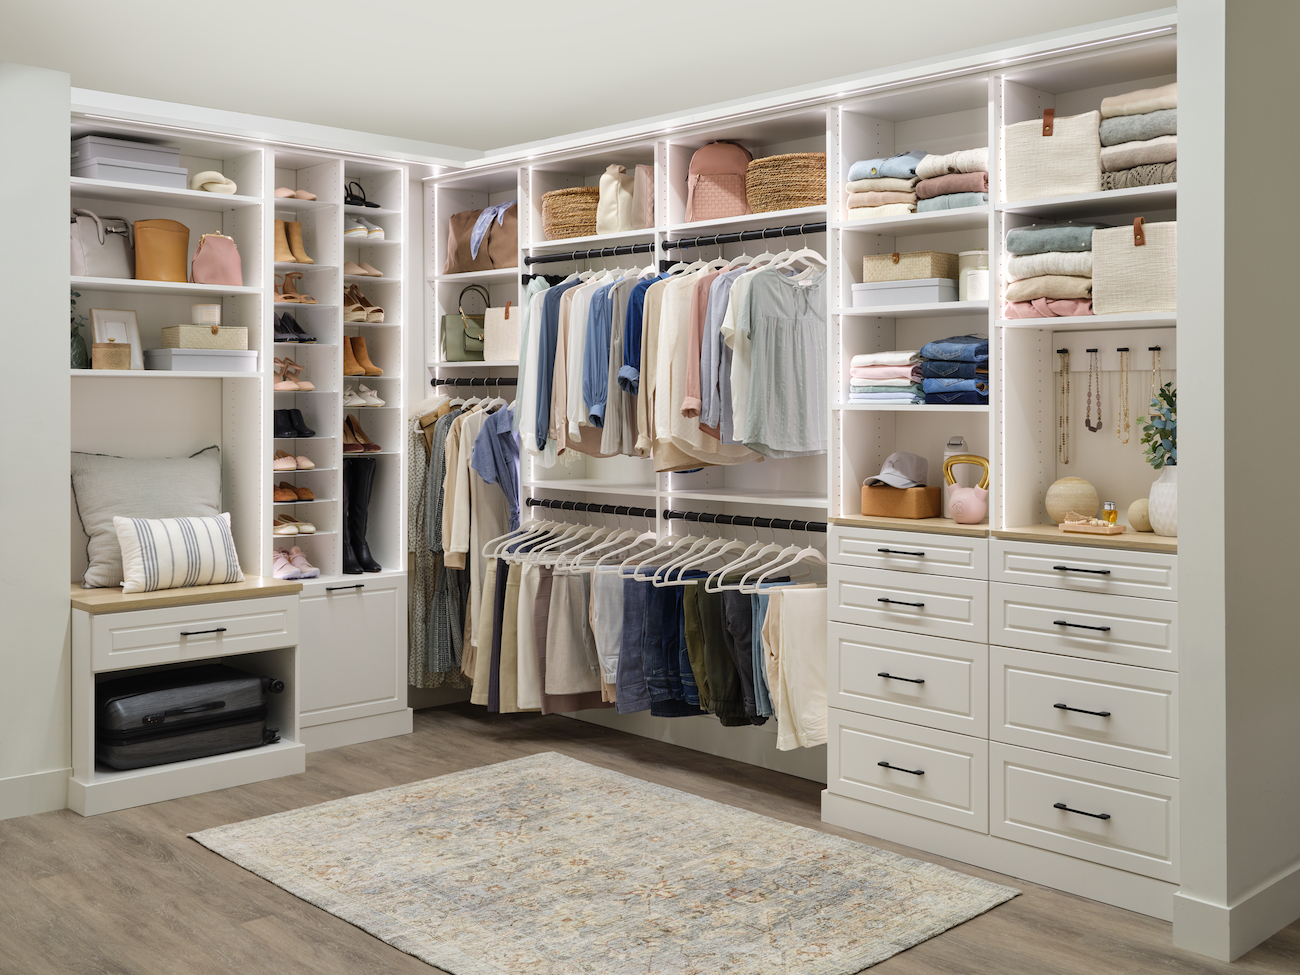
(216, 261)
(161, 249)
(459, 260)
(503, 240)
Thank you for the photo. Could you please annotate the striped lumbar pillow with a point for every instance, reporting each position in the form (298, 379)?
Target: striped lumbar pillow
(170, 553)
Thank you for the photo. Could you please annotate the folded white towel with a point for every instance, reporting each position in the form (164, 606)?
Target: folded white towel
(1052, 262)
(886, 358)
(962, 161)
(1140, 102)
(882, 184)
(1126, 155)
(888, 210)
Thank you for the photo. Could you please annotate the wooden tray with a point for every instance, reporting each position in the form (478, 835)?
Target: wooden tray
(1094, 529)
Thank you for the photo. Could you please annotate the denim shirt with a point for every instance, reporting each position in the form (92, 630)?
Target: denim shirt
(958, 348)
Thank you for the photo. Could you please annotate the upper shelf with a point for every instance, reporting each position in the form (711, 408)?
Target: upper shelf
(1163, 196)
(290, 203)
(939, 221)
(922, 309)
(496, 274)
(161, 374)
(103, 189)
(592, 241)
(1092, 323)
(750, 221)
(357, 211)
(136, 286)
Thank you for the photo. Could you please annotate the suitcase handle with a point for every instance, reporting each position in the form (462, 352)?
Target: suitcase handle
(161, 716)
(219, 629)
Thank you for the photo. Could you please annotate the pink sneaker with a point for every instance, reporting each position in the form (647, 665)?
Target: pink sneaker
(282, 567)
(299, 561)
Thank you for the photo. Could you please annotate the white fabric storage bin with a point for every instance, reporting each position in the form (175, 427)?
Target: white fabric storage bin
(1061, 164)
(904, 292)
(1131, 278)
(201, 360)
(102, 147)
(131, 171)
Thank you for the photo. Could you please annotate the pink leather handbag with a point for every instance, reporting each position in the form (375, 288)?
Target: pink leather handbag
(715, 182)
(216, 261)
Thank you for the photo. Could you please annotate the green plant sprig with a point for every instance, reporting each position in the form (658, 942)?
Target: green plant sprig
(1160, 429)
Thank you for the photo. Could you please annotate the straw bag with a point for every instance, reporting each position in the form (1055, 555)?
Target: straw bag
(161, 247)
(1052, 157)
(501, 334)
(913, 266)
(786, 182)
(462, 334)
(570, 212)
(1135, 268)
(614, 208)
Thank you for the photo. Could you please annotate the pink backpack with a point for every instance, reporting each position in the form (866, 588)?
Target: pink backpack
(715, 182)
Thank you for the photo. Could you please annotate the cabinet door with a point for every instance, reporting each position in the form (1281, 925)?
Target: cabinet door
(351, 645)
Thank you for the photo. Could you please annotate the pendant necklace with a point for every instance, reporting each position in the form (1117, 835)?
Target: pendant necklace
(1063, 408)
(1123, 423)
(1157, 372)
(1094, 366)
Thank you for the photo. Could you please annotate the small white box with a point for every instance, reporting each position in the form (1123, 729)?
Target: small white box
(131, 171)
(916, 292)
(201, 360)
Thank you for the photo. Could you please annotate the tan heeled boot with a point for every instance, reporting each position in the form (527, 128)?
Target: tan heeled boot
(295, 243)
(363, 357)
(350, 365)
(282, 252)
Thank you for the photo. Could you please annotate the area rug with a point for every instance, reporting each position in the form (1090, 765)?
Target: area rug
(549, 866)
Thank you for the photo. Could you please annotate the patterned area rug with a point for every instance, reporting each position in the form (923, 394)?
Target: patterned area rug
(549, 866)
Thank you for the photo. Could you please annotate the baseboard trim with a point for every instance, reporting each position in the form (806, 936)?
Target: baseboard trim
(1228, 932)
(37, 792)
(419, 698)
(354, 731)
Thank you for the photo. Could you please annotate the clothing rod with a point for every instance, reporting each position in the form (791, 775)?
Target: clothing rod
(744, 521)
(589, 254)
(475, 381)
(604, 509)
(797, 230)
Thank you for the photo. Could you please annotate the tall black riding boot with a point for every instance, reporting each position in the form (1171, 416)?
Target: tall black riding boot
(350, 564)
(363, 479)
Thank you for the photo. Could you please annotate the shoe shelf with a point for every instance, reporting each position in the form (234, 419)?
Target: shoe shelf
(355, 211)
(371, 453)
(299, 304)
(289, 504)
(281, 203)
(496, 274)
(940, 221)
(161, 374)
(925, 309)
(136, 286)
(369, 279)
(103, 189)
(1163, 196)
(296, 266)
(371, 241)
(915, 408)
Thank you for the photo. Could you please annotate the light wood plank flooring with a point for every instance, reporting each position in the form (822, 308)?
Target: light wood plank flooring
(127, 894)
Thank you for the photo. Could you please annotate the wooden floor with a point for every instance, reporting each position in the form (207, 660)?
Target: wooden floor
(127, 894)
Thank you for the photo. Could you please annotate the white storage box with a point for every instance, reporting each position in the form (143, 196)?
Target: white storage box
(128, 150)
(915, 292)
(201, 360)
(130, 171)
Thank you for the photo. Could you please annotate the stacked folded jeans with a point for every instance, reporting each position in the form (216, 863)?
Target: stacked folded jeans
(955, 371)
(1049, 271)
(883, 187)
(1139, 138)
(886, 377)
(953, 181)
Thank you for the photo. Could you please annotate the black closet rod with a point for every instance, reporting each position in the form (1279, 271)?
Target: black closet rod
(475, 381)
(604, 509)
(744, 521)
(589, 254)
(793, 231)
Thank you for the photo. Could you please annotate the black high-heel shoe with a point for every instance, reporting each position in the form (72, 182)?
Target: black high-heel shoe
(284, 428)
(357, 198)
(283, 333)
(295, 329)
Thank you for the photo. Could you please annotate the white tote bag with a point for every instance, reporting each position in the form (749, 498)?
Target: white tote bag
(1065, 162)
(1128, 276)
(501, 334)
(614, 208)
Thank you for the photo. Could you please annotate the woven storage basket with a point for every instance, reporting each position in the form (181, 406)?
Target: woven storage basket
(570, 212)
(796, 179)
(501, 334)
(205, 337)
(914, 266)
(1127, 277)
(1061, 164)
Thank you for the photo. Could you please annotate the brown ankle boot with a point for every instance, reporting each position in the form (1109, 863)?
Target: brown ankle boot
(363, 357)
(350, 365)
(295, 243)
(282, 252)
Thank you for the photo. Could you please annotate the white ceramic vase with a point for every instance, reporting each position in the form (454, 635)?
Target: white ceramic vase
(1162, 504)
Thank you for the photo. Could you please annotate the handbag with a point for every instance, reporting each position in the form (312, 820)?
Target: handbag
(459, 260)
(614, 208)
(216, 261)
(161, 247)
(715, 182)
(643, 198)
(101, 246)
(501, 334)
(502, 240)
(462, 334)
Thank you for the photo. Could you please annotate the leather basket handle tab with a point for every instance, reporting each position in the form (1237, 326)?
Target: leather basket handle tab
(1049, 120)
(1139, 232)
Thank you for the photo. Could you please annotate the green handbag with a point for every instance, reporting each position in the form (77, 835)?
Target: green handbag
(462, 335)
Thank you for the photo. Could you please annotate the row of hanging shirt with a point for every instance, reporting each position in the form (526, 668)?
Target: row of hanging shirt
(645, 364)
(576, 617)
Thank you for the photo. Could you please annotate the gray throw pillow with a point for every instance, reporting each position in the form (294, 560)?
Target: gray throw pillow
(104, 486)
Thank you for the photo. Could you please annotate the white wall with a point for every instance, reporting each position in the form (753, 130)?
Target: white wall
(35, 643)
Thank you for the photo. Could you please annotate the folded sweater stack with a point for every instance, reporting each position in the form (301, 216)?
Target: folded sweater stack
(953, 181)
(955, 371)
(1049, 271)
(883, 187)
(1139, 138)
(886, 377)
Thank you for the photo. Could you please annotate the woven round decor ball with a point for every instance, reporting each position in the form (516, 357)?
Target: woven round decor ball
(570, 212)
(786, 182)
(1072, 494)
(1138, 517)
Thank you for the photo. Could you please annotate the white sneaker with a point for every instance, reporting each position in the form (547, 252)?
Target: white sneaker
(368, 396)
(350, 397)
(373, 230)
(352, 227)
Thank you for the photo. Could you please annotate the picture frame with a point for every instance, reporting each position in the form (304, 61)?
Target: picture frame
(118, 325)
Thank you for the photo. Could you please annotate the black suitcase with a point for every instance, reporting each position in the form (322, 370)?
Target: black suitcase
(174, 715)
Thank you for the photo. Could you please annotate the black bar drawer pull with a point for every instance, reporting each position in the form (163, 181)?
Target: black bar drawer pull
(1096, 572)
(894, 551)
(909, 771)
(910, 680)
(219, 629)
(1061, 805)
(899, 602)
(1066, 707)
(359, 585)
(1081, 626)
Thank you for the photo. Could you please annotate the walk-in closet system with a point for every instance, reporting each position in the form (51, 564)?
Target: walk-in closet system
(1198, 784)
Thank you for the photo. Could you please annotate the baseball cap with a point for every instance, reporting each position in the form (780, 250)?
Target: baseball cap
(902, 470)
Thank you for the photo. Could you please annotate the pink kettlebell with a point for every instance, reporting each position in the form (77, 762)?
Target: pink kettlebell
(967, 505)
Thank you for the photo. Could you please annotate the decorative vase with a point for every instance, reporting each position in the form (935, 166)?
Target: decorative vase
(1162, 505)
(1072, 494)
(80, 357)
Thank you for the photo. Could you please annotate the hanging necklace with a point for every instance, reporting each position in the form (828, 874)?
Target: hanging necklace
(1094, 366)
(1063, 408)
(1123, 422)
(1157, 373)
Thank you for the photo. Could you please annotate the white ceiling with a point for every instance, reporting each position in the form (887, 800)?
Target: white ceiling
(486, 75)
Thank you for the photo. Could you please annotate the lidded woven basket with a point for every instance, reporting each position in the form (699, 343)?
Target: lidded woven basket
(786, 182)
(570, 212)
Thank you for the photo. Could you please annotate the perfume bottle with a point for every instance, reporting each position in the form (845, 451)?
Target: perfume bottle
(1109, 512)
